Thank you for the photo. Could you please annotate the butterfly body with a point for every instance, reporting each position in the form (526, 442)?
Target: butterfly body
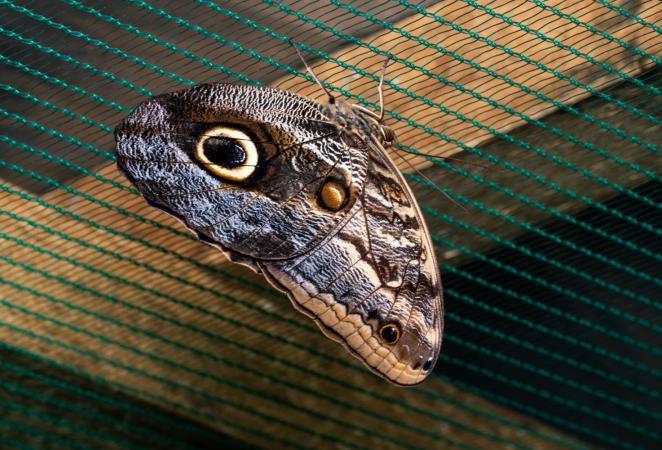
(305, 194)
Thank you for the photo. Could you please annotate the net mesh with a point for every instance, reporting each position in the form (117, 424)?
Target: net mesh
(529, 131)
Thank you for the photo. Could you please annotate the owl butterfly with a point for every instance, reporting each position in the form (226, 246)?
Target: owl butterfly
(305, 194)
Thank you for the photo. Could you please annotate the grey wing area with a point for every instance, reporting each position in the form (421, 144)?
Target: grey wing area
(266, 217)
(376, 268)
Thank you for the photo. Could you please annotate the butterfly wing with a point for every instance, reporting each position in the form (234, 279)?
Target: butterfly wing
(358, 260)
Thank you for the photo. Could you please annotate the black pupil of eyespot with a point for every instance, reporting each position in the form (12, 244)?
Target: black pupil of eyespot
(224, 152)
(389, 333)
(427, 364)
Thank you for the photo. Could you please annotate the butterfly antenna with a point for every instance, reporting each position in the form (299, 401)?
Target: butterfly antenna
(449, 158)
(332, 99)
(380, 88)
(437, 188)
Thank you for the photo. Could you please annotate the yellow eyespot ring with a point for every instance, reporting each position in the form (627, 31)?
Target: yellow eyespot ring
(390, 333)
(332, 196)
(240, 140)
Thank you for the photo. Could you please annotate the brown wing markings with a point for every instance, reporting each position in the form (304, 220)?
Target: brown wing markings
(302, 258)
(344, 340)
(415, 222)
(250, 202)
(411, 311)
(351, 164)
(367, 230)
(309, 255)
(330, 332)
(402, 326)
(407, 265)
(300, 306)
(351, 178)
(325, 291)
(183, 193)
(296, 194)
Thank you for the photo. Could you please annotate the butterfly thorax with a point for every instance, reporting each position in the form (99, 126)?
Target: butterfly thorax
(360, 123)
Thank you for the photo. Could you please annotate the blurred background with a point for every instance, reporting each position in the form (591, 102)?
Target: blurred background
(534, 129)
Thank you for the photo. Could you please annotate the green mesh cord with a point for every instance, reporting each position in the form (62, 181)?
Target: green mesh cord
(530, 132)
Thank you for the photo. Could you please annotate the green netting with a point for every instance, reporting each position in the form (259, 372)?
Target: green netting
(544, 210)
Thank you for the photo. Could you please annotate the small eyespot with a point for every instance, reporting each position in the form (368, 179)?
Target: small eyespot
(390, 333)
(428, 364)
(227, 152)
(332, 196)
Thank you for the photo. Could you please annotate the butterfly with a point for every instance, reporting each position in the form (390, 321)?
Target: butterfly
(305, 194)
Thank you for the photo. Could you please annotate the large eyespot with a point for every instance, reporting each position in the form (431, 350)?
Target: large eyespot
(227, 152)
(390, 333)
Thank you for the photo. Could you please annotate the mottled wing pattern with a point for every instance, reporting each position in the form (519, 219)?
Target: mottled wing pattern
(377, 268)
(359, 266)
(268, 216)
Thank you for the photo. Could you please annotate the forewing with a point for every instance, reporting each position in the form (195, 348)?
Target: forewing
(269, 216)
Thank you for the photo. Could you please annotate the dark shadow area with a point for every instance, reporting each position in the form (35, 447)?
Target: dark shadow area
(581, 377)
(45, 406)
